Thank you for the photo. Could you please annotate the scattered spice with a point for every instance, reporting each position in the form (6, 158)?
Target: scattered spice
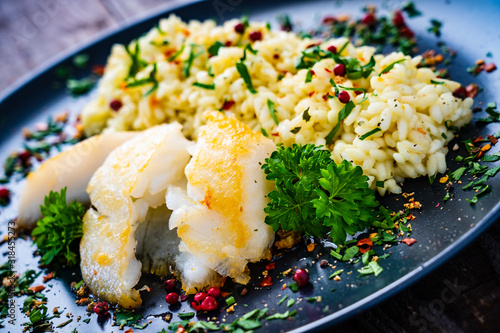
(409, 241)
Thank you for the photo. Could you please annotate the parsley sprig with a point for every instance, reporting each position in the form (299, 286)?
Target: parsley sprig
(313, 195)
(58, 232)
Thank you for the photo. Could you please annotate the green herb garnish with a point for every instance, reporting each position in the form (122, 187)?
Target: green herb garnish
(149, 80)
(435, 27)
(137, 63)
(58, 233)
(81, 60)
(314, 195)
(213, 50)
(81, 86)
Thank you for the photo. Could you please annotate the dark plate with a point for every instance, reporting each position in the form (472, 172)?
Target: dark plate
(442, 229)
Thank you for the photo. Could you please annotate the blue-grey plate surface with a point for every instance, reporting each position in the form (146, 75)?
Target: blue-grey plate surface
(442, 229)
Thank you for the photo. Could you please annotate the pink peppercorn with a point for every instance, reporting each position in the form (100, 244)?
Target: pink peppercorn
(301, 277)
(199, 297)
(332, 49)
(460, 92)
(115, 105)
(170, 284)
(24, 156)
(239, 28)
(398, 19)
(214, 292)
(344, 97)
(406, 32)
(172, 298)
(368, 19)
(339, 69)
(101, 309)
(209, 304)
(255, 36)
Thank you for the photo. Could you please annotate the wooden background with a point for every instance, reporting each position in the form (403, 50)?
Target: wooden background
(31, 32)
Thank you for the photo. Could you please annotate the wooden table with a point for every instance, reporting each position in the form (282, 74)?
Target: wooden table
(33, 32)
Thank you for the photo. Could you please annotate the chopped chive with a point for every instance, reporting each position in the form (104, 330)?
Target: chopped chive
(305, 115)
(337, 272)
(437, 82)
(230, 301)
(343, 113)
(243, 70)
(272, 111)
(309, 76)
(210, 86)
(391, 66)
(370, 133)
(282, 299)
(178, 53)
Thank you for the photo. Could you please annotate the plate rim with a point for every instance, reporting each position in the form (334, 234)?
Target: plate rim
(338, 316)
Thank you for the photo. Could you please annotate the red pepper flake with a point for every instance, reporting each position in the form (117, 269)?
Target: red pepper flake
(486, 147)
(364, 245)
(48, 277)
(490, 67)
(472, 90)
(492, 139)
(311, 247)
(180, 329)
(224, 294)
(98, 70)
(228, 105)
(276, 56)
(329, 71)
(311, 93)
(228, 43)
(275, 134)
(266, 282)
(313, 45)
(270, 266)
(437, 205)
(478, 139)
(329, 20)
(37, 289)
(409, 241)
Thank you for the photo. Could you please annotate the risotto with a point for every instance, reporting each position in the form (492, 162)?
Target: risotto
(395, 121)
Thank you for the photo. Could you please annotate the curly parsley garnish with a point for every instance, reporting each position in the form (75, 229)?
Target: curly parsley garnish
(314, 195)
(58, 232)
